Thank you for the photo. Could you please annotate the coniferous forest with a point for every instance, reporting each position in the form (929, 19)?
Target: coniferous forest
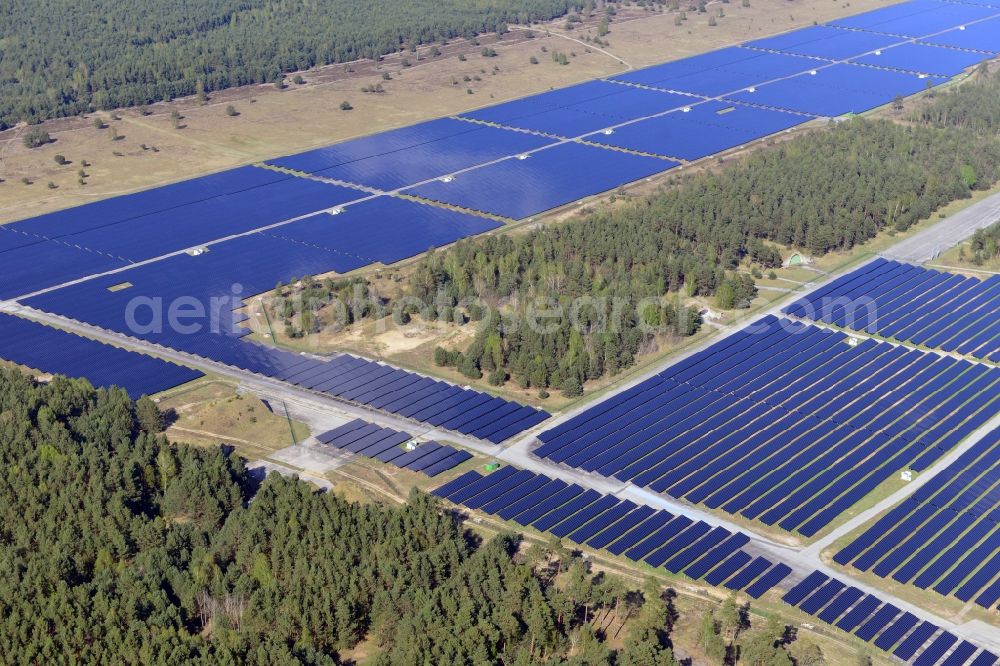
(119, 548)
(62, 58)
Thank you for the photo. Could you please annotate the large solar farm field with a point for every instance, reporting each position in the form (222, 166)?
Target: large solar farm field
(807, 457)
(389, 196)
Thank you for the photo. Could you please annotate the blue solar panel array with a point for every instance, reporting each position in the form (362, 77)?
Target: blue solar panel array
(384, 229)
(416, 164)
(917, 18)
(492, 160)
(699, 551)
(640, 533)
(519, 188)
(49, 250)
(698, 131)
(579, 109)
(983, 37)
(781, 422)
(945, 536)
(385, 445)
(823, 41)
(57, 352)
(376, 145)
(835, 90)
(912, 304)
(882, 624)
(922, 58)
(719, 72)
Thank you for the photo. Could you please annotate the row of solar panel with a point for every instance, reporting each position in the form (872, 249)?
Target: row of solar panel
(621, 527)
(882, 624)
(385, 445)
(188, 303)
(681, 125)
(380, 229)
(57, 352)
(781, 422)
(946, 535)
(912, 304)
(926, 19)
(503, 172)
(372, 384)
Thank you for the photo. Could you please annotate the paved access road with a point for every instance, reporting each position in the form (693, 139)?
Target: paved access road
(932, 241)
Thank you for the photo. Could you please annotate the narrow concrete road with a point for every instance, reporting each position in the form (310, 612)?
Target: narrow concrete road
(932, 241)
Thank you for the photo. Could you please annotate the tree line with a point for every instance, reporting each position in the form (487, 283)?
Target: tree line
(62, 58)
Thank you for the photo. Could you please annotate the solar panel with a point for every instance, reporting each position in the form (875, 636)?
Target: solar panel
(881, 619)
(774, 576)
(915, 640)
(892, 635)
(859, 613)
(933, 652)
(806, 587)
(841, 603)
(734, 563)
(546, 179)
(750, 573)
(55, 351)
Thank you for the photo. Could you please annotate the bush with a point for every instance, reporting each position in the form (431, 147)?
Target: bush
(497, 378)
(231, 111)
(441, 357)
(400, 316)
(60, 160)
(571, 388)
(345, 106)
(470, 367)
(36, 137)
